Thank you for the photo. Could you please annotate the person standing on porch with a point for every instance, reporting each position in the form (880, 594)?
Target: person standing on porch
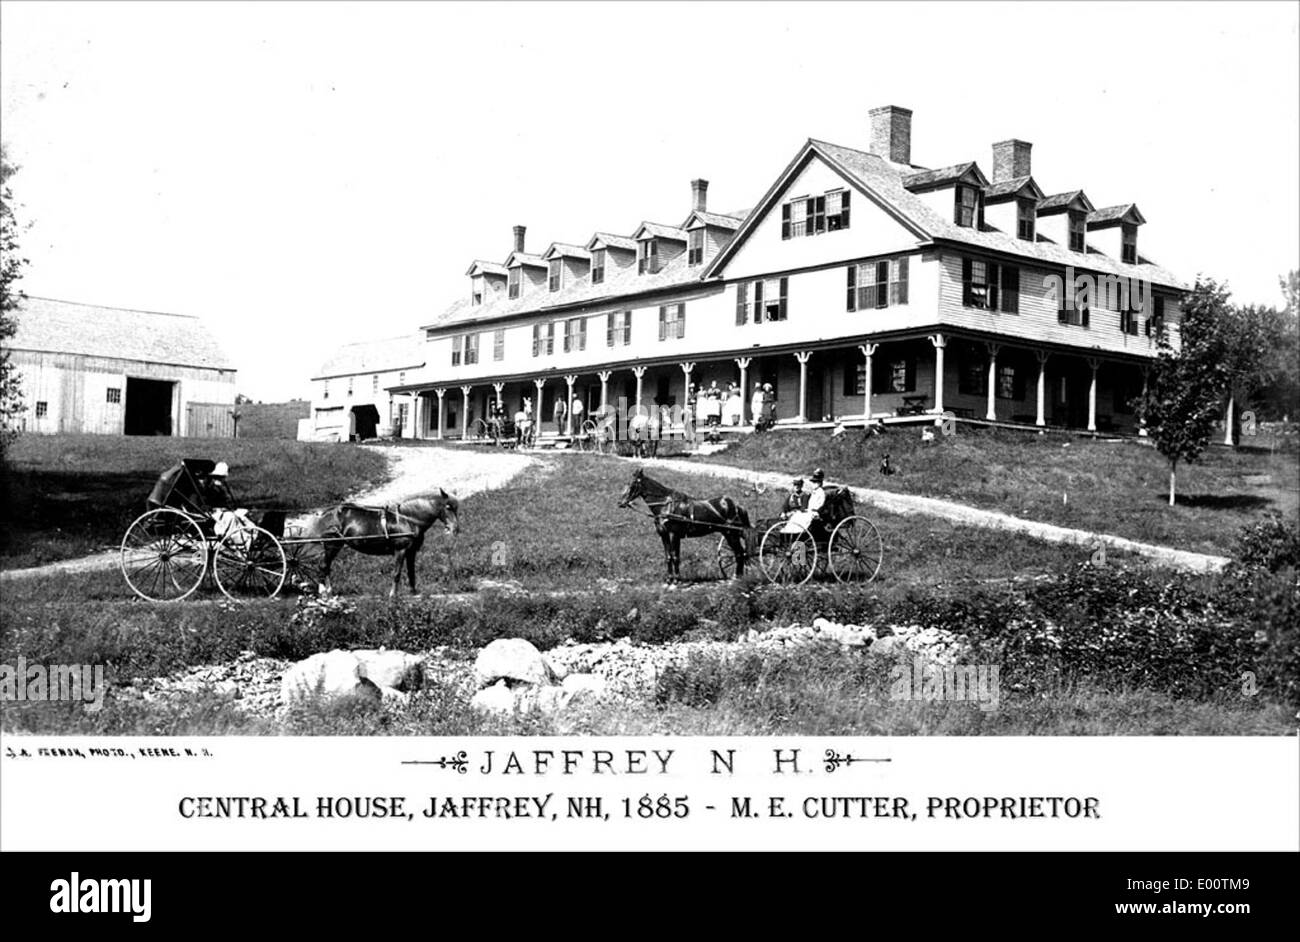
(576, 411)
(559, 413)
(756, 404)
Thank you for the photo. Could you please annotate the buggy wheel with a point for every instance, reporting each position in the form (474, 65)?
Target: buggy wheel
(726, 559)
(478, 430)
(304, 561)
(856, 550)
(589, 436)
(249, 563)
(788, 558)
(164, 556)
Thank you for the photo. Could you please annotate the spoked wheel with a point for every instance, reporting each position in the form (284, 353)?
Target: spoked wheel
(164, 556)
(249, 563)
(856, 550)
(789, 558)
(726, 559)
(304, 561)
(478, 430)
(589, 436)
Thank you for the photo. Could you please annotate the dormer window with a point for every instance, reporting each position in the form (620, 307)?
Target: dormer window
(476, 298)
(1077, 229)
(597, 266)
(553, 273)
(516, 279)
(1025, 216)
(969, 206)
(1129, 244)
(695, 250)
(648, 261)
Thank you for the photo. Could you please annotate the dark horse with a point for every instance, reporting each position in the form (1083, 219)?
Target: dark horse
(396, 529)
(676, 516)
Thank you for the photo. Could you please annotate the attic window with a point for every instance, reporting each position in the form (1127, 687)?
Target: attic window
(1129, 244)
(969, 206)
(374, 384)
(1025, 215)
(597, 266)
(649, 257)
(813, 215)
(695, 252)
(554, 267)
(476, 298)
(514, 281)
(1077, 229)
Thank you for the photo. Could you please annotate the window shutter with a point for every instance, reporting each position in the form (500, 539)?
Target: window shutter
(758, 302)
(882, 284)
(821, 213)
(582, 334)
(537, 336)
(663, 322)
(784, 282)
(1010, 289)
(844, 210)
(681, 321)
(902, 281)
(609, 330)
(851, 300)
(785, 220)
(956, 205)
(967, 299)
(742, 293)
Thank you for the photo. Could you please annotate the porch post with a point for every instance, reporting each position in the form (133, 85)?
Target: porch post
(464, 412)
(687, 369)
(497, 388)
(568, 405)
(441, 391)
(638, 372)
(1042, 356)
(992, 412)
(1228, 429)
(1142, 422)
(1093, 364)
(604, 389)
(539, 384)
(743, 363)
(868, 351)
(802, 356)
(939, 341)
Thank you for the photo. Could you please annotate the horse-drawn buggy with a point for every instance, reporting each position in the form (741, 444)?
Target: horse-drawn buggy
(184, 540)
(789, 548)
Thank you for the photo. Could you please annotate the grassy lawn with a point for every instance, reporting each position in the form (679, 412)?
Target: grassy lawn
(1120, 488)
(69, 495)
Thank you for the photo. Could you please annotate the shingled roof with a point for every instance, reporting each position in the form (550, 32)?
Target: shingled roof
(655, 230)
(928, 179)
(52, 326)
(613, 241)
(375, 356)
(1009, 188)
(718, 220)
(1059, 201)
(565, 249)
(487, 268)
(1126, 212)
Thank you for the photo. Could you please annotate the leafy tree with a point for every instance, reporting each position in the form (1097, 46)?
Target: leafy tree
(1279, 395)
(1188, 384)
(11, 265)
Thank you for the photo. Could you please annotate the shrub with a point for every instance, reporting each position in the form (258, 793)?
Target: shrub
(1272, 544)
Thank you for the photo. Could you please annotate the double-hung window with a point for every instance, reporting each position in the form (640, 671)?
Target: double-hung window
(575, 334)
(759, 301)
(618, 330)
(813, 215)
(1078, 227)
(990, 286)
(543, 339)
(1074, 305)
(695, 246)
(672, 321)
(968, 206)
(1025, 219)
(554, 267)
(514, 282)
(1128, 244)
(877, 284)
(1155, 324)
(648, 263)
(597, 266)
(471, 349)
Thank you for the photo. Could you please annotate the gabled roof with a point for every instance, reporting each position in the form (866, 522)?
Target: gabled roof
(1015, 187)
(566, 250)
(1060, 202)
(718, 220)
(933, 179)
(881, 182)
(374, 356)
(54, 326)
(1114, 215)
(609, 241)
(523, 258)
(654, 230)
(480, 267)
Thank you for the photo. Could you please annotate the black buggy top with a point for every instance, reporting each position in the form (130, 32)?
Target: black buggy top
(178, 487)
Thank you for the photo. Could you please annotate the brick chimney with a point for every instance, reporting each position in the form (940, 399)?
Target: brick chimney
(519, 238)
(1010, 160)
(699, 196)
(891, 133)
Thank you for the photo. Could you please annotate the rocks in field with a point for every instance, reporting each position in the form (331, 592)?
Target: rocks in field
(367, 675)
(514, 677)
(512, 659)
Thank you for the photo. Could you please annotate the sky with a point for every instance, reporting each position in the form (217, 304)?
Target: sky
(308, 174)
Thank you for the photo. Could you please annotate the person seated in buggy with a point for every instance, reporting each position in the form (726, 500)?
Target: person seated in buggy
(198, 487)
(814, 502)
(796, 500)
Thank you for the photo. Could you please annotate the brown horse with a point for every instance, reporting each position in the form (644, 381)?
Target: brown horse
(396, 529)
(677, 515)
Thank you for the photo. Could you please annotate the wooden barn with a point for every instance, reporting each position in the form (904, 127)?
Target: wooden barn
(112, 371)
